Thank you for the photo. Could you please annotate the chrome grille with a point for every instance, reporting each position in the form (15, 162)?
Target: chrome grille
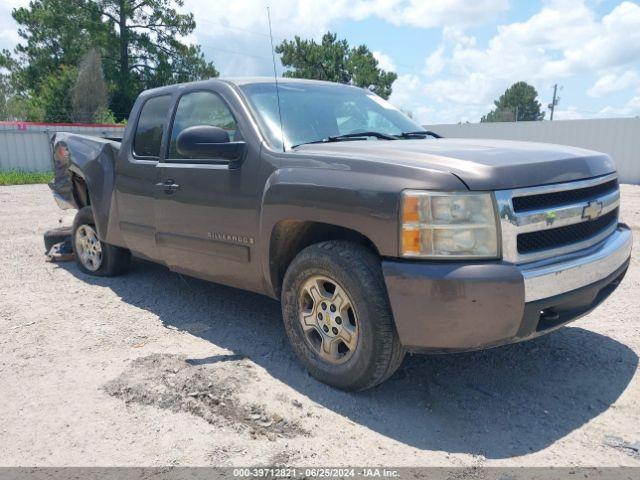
(561, 236)
(564, 197)
(557, 219)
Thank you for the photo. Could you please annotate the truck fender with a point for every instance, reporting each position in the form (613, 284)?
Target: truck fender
(354, 201)
(92, 159)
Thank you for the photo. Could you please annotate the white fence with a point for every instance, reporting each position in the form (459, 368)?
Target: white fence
(27, 146)
(107, 130)
(30, 151)
(618, 137)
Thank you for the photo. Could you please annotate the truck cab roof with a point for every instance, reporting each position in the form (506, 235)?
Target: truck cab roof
(244, 81)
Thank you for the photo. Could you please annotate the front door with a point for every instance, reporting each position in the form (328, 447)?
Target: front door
(207, 216)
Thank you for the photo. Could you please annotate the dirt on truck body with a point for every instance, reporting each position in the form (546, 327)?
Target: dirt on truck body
(377, 236)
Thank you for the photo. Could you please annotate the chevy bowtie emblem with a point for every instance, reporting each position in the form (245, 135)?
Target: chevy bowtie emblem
(592, 210)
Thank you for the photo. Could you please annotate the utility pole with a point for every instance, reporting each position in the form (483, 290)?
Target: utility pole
(554, 102)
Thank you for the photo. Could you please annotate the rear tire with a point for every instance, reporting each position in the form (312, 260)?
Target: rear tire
(332, 292)
(93, 256)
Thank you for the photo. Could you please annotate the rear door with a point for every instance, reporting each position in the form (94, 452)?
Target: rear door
(137, 175)
(207, 216)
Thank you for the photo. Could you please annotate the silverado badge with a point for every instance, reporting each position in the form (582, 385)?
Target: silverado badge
(225, 237)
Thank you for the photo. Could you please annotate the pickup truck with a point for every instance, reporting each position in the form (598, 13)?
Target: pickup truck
(378, 237)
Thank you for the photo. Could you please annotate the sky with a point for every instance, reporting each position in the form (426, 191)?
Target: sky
(453, 57)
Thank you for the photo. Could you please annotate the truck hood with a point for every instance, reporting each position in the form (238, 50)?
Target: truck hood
(480, 164)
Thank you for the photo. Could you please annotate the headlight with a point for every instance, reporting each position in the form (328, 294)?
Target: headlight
(448, 225)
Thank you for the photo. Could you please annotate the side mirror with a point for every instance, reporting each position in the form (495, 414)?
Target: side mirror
(205, 142)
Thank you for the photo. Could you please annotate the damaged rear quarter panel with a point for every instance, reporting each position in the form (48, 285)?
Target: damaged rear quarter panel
(93, 160)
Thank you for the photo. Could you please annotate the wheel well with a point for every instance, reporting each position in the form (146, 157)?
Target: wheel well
(80, 191)
(289, 237)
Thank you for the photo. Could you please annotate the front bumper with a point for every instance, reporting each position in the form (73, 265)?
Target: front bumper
(457, 306)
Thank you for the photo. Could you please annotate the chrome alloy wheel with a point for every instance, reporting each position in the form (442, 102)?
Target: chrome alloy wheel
(88, 247)
(328, 319)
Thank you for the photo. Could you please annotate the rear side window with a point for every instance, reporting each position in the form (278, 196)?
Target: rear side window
(201, 108)
(153, 116)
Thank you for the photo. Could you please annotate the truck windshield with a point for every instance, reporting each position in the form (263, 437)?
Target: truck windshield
(313, 112)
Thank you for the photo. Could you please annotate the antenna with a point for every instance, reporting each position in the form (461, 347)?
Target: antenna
(275, 76)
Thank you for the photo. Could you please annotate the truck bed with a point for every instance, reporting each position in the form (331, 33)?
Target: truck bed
(81, 158)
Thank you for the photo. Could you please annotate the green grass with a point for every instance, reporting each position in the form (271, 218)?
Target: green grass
(18, 177)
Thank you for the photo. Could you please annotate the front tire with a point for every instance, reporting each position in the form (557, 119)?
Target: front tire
(337, 316)
(93, 256)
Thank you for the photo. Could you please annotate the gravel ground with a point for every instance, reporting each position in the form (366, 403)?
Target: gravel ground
(153, 368)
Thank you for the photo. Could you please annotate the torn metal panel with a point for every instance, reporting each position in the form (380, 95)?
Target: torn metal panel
(92, 160)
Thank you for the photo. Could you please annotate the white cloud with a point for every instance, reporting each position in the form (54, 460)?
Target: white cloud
(634, 105)
(454, 35)
(312, 17)
(385, 62)
(614, 43)
(519, 51)
(406, 90)
(435, 62)
(572, 113)
(612, 83)
(432, 13)
(562, 40)
(560, 24)
(409, 95)
(241, 26)
(631, 108)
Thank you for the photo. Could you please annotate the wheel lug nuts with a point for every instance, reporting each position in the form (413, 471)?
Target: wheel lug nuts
(319, 316)
(324, 306)
(325, 328)
(334, 330)
(333, 308)
(338, 320)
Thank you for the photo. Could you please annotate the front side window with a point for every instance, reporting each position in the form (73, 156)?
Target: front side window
(201, 108)
(312, 112)
(148, 136)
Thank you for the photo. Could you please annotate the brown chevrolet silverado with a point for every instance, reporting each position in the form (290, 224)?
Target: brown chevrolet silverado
(377, 236)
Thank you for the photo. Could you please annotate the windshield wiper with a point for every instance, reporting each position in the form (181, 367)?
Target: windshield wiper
(419, 133)
(350, 136)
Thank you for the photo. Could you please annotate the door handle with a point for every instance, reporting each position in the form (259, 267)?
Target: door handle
(169, 186)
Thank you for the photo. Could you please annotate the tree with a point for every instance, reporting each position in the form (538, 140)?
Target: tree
(5, 84)
(138, 40)
(335, 61)
(56, 33)
(55, 94)
(23, 109)
(518, 103)
(89, 95)
(149, 50)
(13, 106)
